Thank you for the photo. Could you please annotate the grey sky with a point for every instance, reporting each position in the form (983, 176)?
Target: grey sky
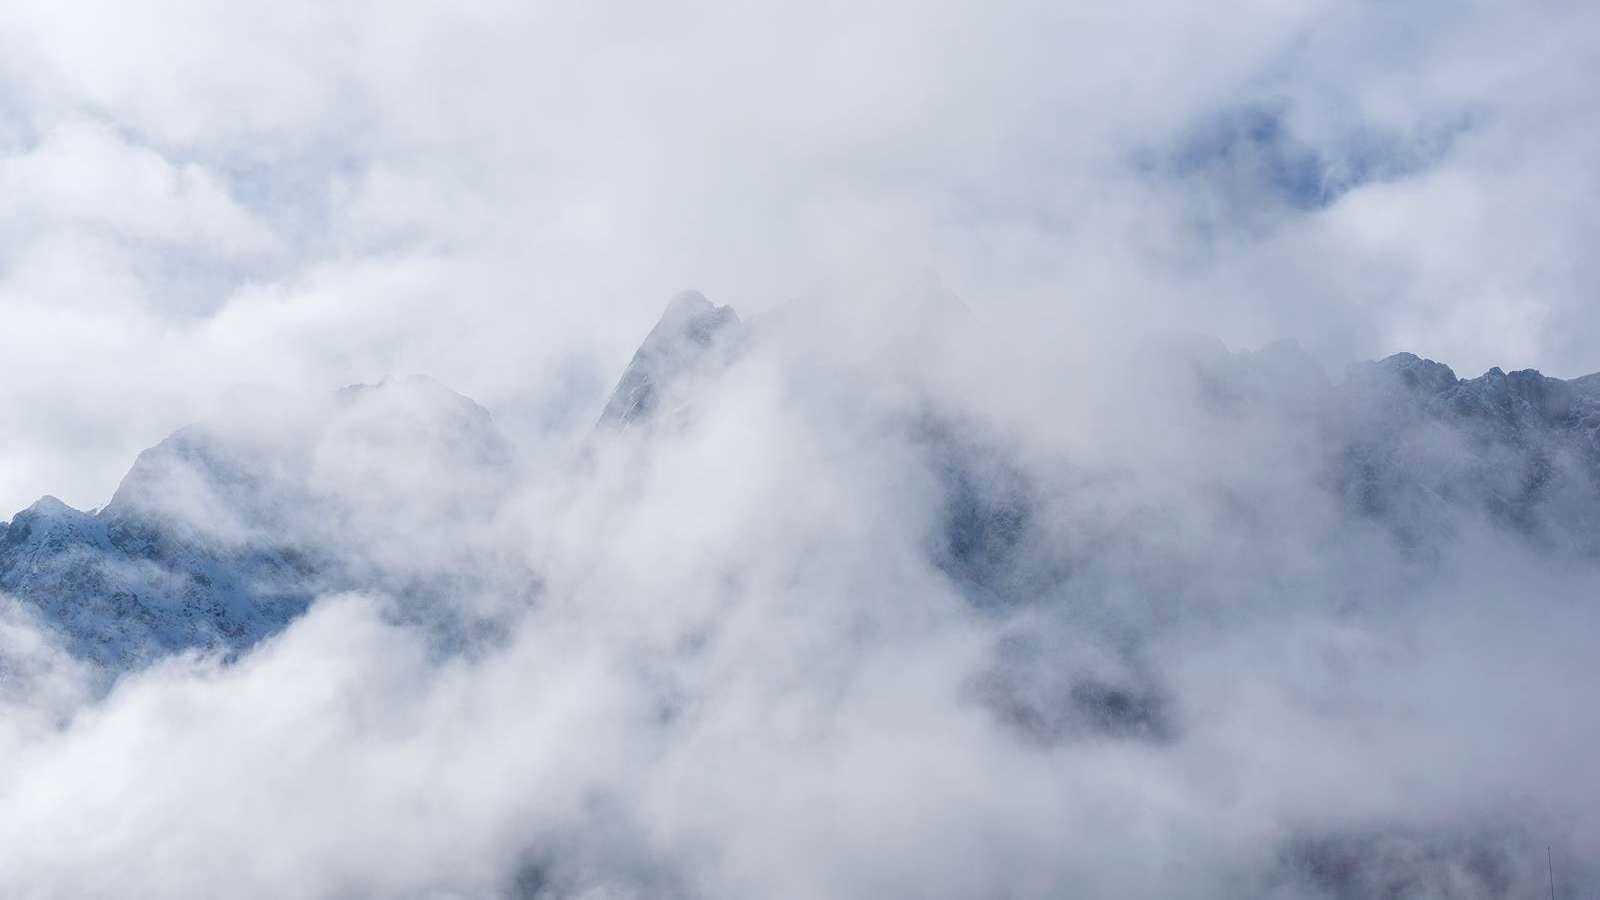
(200, 195)
(745, 673)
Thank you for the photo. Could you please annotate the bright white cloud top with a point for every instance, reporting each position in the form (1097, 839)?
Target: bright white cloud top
(862, 590)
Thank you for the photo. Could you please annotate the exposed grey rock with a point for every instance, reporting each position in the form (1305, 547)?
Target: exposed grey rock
(121, 603)
(691, 337)
(1050, 696)
(225, 531)
(1419, 446)
(1400, 864)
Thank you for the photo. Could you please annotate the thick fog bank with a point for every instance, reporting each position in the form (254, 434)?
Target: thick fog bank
(860, 607)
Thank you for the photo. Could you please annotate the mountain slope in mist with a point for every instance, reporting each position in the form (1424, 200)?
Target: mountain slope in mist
(832, 601)
(226, 531)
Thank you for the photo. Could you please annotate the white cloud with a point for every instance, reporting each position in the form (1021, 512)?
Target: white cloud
(562, 169)
(744, 678)
(82, 175)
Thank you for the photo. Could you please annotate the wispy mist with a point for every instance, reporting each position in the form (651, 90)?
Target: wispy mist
(990, 541)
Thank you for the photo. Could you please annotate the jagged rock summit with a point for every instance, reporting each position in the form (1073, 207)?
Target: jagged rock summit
(1417, 443)
(124, 591)
(681, 344)
(225, 531)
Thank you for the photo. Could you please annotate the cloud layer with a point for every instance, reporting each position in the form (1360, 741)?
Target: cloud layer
(500, 196)
(744, 667)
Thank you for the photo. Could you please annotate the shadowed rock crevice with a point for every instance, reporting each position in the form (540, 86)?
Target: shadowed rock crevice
(1411, 865)
(1051, 694)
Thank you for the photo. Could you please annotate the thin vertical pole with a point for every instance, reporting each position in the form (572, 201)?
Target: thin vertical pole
(1552, 866)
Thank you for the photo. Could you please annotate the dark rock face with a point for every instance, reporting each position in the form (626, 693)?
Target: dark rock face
(985, 515)
(1401, 864)
(1049, 697)
(127, 590)
(1417, 445)
(223, 533)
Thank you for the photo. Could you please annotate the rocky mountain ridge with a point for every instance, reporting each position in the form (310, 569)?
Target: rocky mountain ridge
(223, 533)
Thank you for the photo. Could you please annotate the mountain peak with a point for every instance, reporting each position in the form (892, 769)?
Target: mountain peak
(690, 315)
(688, 302)
(681, 342)
(1411, 370)
(49, 515)
(50, 525)
(49, 505)
(421, 389)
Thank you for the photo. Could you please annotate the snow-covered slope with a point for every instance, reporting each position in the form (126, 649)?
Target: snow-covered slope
(225, 531)
(121, 592)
